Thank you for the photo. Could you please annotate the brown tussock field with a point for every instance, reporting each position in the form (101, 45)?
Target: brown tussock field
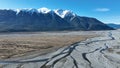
(22, 45)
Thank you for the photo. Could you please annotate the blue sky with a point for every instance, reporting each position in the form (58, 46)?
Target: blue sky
(106, 11)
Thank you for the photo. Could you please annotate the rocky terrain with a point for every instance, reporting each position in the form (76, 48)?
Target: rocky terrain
(102, 51)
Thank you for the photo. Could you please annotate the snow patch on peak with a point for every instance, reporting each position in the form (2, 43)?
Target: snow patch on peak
(44, 10)
(59, 12)
(17, 11)
(63, 13)
(31, 10)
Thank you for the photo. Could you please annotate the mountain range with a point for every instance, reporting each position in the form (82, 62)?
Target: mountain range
(43, 19)
(115, 26)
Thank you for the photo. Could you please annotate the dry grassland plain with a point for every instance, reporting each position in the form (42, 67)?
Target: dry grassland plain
(23, 44)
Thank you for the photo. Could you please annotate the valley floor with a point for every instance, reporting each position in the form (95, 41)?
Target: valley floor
(14, 45)
(102, 51)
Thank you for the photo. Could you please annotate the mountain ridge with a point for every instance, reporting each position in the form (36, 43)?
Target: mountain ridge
(116, 26)
(46, 20)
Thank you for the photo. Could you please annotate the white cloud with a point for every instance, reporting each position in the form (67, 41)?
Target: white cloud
(102, 9)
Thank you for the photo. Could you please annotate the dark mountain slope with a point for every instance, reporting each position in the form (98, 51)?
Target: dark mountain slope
(44, 20)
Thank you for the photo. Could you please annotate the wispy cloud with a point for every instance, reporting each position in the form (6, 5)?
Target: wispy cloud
(102, 9)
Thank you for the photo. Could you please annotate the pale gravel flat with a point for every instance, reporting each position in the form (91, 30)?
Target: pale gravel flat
(98, 52)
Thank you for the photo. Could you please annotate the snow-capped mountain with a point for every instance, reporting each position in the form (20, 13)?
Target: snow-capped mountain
(59, 12)
(32, 10)
(45, 19)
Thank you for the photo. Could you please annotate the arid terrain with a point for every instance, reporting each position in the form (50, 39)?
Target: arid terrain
(77, 49)
(23, 44)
